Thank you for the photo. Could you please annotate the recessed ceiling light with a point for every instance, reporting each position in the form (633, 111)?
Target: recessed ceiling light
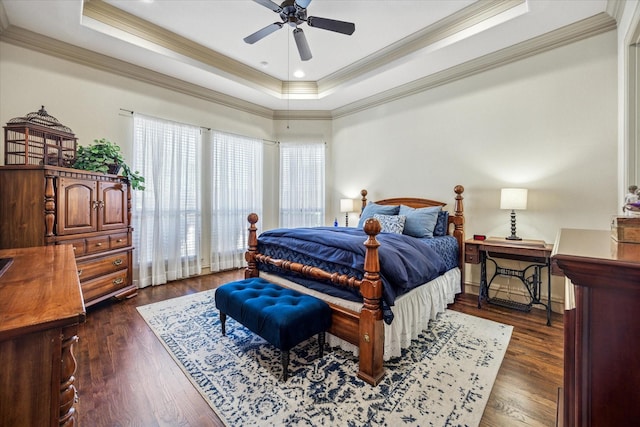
(298, 74)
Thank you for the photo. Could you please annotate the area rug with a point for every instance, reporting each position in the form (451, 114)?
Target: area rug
(444, 379)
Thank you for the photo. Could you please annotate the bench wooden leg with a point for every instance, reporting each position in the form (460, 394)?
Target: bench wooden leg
(285, 364)
(223, 319)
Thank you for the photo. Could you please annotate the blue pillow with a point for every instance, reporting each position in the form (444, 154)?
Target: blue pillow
(442, 224)
(420, 222)
(391, 223)
(373, 208)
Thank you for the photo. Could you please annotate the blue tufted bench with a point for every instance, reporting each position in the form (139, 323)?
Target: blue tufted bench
(281, 316)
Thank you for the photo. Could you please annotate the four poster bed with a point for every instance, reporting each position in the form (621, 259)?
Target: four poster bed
(383, 288)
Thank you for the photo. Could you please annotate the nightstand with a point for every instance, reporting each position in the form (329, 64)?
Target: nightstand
(535, 252)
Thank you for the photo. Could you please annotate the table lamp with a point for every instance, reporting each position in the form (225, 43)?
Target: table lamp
(346, 206)
(513, 198)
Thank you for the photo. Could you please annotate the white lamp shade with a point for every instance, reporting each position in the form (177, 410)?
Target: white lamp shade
(346, 205)
(513, 198)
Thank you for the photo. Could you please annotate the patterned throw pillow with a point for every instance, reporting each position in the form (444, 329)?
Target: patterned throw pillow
(373, 208)
(391, 223)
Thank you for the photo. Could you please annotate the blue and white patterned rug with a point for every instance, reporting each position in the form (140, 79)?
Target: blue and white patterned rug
(443, 380)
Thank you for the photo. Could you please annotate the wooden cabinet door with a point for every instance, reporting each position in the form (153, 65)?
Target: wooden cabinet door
(77, 206)
(112, 210)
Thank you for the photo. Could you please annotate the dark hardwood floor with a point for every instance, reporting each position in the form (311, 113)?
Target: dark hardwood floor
(125, 377)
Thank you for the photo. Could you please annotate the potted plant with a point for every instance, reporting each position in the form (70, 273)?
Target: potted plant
(105, 156)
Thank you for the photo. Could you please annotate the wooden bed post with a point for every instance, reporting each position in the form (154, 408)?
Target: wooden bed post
(371, 329)
(458, 231)
(363, 193)
(250, 255)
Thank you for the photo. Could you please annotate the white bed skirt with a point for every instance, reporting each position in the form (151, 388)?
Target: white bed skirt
(412, 311)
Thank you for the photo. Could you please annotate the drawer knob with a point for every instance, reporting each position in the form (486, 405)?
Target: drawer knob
(119, 240)
(79, 273)
(118, 281)
(99, 244)
(117, 262)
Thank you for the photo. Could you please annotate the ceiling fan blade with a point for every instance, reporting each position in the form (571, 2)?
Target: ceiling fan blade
(303, 3)
(269, 5)
(331, 25)
(303, 46)
(260, 34)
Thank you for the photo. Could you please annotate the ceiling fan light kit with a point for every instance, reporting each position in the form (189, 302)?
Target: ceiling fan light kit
(294, 13)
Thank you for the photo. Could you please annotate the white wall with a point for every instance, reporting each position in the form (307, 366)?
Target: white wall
(628, 97)
(547, 123)
(89, 102)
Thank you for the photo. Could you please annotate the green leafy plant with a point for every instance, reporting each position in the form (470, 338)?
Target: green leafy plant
(105, 156)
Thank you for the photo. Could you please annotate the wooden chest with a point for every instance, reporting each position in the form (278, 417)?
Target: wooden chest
(626, 229)
(50, 205)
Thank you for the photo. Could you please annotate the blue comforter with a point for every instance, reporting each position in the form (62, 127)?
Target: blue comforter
(405, 262)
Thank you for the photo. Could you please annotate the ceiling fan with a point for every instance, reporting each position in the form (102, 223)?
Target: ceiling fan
(294, 13)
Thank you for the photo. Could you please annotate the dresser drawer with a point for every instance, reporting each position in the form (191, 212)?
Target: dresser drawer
(97, 244)
(95, 288)
(120, 240)
(471, 259)
(100, 266)
(79, 246)
(471, 254)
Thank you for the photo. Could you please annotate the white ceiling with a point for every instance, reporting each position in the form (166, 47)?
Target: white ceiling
(398, 46)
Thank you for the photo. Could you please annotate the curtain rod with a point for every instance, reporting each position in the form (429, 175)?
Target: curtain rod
(131, 112)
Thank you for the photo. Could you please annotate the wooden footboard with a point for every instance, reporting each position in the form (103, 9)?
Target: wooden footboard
(364, 329)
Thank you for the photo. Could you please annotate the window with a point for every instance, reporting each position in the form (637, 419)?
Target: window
(167, 214)
(236, 182)
(302, 175)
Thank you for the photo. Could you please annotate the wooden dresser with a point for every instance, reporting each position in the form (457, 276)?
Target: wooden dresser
(602, 329)
(40, 309)
(49, 205)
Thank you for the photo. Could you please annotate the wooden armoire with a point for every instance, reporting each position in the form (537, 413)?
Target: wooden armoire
(601, 329)
(51, 205)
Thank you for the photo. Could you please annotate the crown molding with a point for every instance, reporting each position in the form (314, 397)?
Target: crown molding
(222, 65)
(302, 115)
(300, 90)
(589, 27)
(615, 8)
(586, 28)
(456, 23)
(37, 42)
(451, 25)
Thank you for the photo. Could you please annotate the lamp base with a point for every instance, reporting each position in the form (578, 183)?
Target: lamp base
(513, 227)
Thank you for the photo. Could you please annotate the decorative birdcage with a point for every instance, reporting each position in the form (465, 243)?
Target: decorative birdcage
(38, 139)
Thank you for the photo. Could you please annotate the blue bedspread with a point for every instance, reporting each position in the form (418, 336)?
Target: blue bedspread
(405, 262)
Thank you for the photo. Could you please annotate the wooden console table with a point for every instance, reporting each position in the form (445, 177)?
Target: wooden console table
(601, 329)
(535, 252)
(41, 307)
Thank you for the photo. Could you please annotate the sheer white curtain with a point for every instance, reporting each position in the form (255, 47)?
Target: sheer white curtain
(167, 214)
(236, 182)
(302, 188)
